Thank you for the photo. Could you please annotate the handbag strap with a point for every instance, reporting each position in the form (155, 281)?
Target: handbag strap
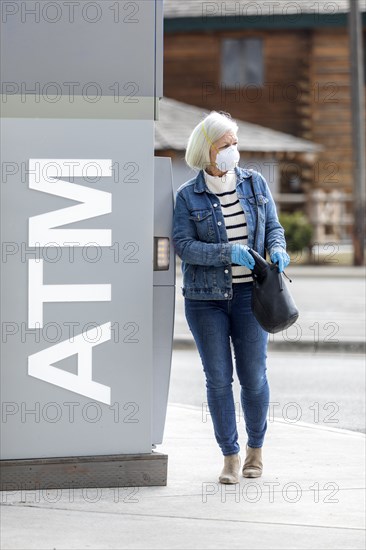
(256, 230)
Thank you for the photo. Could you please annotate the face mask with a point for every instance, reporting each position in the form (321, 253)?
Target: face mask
(228, 158)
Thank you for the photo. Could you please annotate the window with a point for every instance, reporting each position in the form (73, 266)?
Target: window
(242, 61)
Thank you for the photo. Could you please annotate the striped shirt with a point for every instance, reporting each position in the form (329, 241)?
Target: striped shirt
(224, 188)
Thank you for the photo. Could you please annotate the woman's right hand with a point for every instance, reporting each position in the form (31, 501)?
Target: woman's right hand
(241, 256)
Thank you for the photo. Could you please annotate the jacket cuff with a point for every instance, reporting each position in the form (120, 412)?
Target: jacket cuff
(226, 253)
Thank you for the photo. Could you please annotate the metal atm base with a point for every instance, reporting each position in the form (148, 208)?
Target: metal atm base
(127, 470)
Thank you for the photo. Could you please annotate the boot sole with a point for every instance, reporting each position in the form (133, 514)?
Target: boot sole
(253, 474)
(227, 482)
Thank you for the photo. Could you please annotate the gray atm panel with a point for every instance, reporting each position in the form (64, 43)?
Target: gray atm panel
(81, 89)
(82, 59)
(164, 297)
(40, 420)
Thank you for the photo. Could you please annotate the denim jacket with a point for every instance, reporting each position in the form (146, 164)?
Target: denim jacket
(200, 237)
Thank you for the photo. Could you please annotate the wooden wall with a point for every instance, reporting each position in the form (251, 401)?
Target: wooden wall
(192, 75)
(330, 119)
(306, 92)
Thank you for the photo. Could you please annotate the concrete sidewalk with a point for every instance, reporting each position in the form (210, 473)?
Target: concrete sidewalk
(331, 302)
(311, 495)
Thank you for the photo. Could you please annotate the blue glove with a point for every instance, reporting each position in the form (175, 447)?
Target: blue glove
(282, 258)
(241, 256)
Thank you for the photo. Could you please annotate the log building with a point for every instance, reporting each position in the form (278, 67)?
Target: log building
(282, 65)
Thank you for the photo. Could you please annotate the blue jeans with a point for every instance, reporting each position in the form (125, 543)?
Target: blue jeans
(212, 323)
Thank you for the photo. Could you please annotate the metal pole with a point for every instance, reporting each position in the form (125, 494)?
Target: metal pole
(358, 131)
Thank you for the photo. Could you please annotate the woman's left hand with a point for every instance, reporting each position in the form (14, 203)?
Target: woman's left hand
(282, 258)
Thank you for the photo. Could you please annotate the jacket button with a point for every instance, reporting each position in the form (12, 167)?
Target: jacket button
(226, 295)
(218, 223)
(215, 204)
(226, 271)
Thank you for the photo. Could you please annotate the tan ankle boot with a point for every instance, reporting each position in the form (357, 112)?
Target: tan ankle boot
(230, 470)
(253, 465)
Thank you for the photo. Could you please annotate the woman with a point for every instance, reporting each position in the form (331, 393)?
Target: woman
(214, 221)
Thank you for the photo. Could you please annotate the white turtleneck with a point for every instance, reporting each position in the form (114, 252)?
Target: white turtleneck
(224, 188)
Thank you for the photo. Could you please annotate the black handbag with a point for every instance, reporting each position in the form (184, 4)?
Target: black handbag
(272, 303)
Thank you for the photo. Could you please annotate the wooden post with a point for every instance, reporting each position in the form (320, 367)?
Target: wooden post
(358, 131)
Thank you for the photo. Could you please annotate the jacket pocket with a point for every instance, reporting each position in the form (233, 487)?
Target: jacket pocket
(200, 215)
(261, 200)
(203, 220)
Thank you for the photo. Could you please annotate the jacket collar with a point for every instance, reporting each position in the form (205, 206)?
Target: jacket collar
(200, 183)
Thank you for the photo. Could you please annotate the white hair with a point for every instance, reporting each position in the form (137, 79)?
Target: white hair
(209, 130)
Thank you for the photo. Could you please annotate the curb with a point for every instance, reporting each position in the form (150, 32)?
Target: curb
(330, 272)
(321, 271)
(184, 343)
(300, 423)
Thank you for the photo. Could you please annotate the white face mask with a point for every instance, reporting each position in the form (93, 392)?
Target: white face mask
(228, 158)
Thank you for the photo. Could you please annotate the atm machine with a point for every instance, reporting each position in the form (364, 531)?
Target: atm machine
(88, 269)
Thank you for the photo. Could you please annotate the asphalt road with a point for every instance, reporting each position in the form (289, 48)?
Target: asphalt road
(322, 388)
(331, 309)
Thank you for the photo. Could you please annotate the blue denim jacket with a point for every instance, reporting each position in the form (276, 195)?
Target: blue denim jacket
(200, 237)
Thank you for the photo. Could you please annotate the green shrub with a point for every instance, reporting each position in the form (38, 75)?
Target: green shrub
(298, 230)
